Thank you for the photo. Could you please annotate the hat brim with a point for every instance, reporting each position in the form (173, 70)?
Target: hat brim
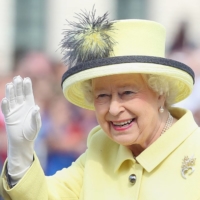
(73, 78)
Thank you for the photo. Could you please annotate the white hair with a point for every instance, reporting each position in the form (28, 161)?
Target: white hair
(163, 85)
(160, 84)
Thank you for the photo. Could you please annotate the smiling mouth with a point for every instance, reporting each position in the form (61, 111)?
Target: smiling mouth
(122, 124)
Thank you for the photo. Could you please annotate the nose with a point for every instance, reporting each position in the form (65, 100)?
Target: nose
(116, 106)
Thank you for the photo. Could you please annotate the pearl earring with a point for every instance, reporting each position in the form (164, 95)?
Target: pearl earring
(161, 109)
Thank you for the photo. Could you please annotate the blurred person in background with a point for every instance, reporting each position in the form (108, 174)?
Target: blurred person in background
(142, 149)
(3, 142)
(66, 130)
(185, 51)
(3, 138)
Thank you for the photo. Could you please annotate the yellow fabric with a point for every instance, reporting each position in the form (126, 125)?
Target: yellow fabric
(102, 172)
(137, 37)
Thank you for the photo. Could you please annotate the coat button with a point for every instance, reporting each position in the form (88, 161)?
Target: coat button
(132, 178)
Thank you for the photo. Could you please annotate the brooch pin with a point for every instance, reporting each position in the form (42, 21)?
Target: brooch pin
(187, 165)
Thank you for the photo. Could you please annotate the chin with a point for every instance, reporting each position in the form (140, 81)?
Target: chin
(124, 140)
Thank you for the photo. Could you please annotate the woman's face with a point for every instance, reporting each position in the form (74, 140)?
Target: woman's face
(127, 109)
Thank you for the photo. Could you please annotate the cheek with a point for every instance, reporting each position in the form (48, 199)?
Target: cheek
(146, 110)
(147, 103)
(100, 112)
(140, 106)
(148, 118)
(101, 108)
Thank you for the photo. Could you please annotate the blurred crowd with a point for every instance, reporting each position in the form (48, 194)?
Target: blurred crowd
(186, 51)
(65, 127)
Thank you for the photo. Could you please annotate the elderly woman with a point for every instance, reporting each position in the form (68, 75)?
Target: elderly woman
(142, 149)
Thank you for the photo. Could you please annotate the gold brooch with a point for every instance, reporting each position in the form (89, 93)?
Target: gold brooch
(187, 165)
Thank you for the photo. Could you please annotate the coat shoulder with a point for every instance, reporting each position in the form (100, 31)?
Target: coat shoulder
(98, 138)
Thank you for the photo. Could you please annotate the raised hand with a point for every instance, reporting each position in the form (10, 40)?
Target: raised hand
(23, 122)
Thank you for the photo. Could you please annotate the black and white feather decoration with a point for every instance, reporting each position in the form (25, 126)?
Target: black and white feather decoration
(87, 39)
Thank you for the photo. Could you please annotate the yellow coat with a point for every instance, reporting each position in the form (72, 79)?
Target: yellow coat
(102, 172)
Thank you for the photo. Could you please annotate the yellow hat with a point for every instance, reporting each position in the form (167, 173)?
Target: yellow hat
(133, 46)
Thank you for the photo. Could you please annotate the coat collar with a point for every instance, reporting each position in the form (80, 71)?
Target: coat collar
(123, 155)
(151, 157)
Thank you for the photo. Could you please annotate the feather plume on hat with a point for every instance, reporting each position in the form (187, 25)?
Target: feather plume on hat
(88, 39)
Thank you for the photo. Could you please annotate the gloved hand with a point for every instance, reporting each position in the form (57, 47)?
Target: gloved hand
(23, 122)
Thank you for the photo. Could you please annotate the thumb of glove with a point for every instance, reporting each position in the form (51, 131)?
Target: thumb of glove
(30, 133)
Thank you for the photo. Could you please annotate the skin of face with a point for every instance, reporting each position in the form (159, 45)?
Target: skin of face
(127, 110)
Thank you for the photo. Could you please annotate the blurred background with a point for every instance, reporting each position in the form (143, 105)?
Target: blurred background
(30, 34)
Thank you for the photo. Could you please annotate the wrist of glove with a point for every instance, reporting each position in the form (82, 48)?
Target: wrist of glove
(23, 122)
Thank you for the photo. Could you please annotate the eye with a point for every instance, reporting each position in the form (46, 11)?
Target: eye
(128, 92)
(102, 96)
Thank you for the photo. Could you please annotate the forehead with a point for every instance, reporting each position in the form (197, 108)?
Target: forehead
(119, 80)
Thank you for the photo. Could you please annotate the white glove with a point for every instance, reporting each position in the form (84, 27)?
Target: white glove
(23, 122)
